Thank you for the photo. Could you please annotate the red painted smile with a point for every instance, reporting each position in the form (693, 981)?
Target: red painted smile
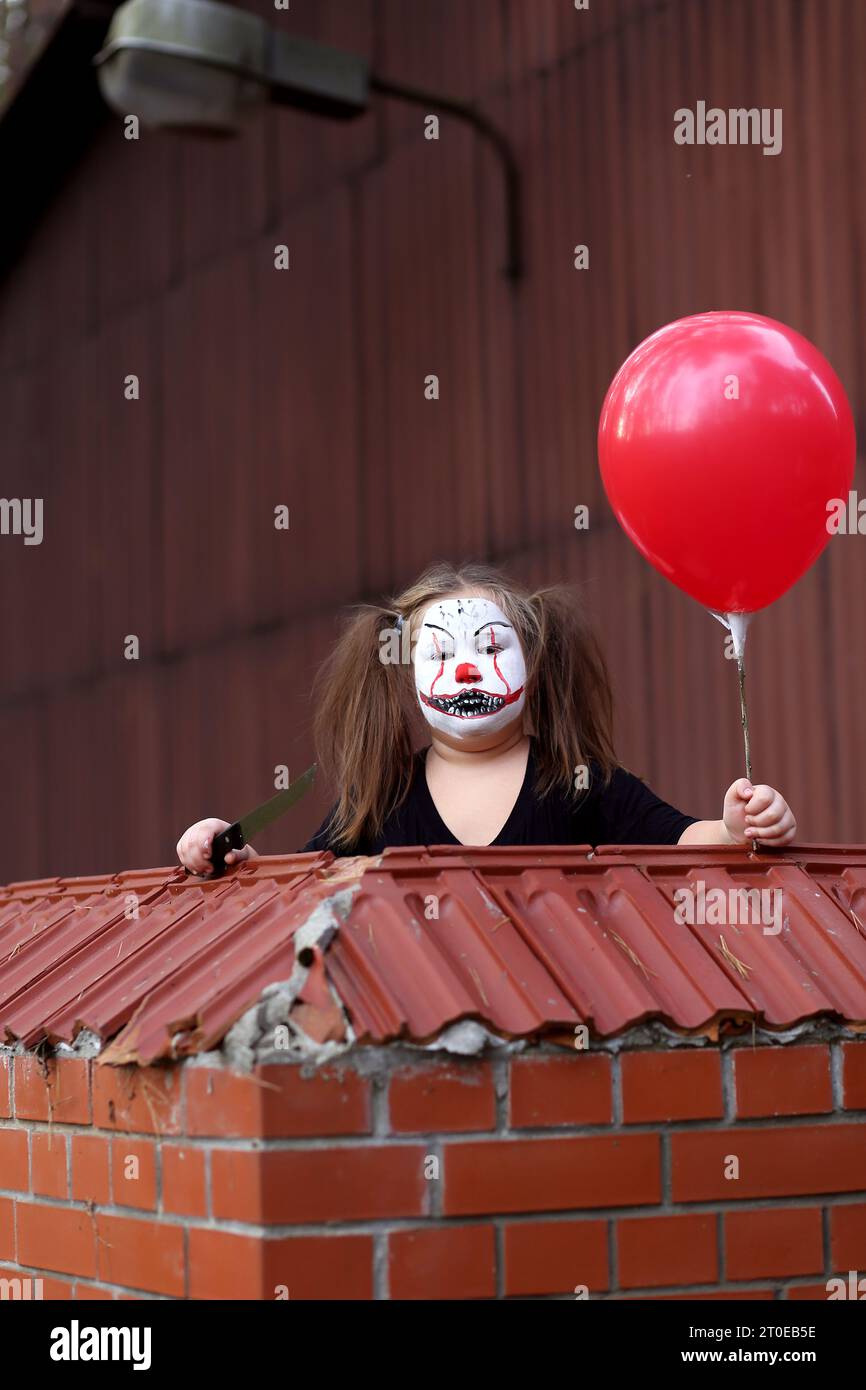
(471, 703)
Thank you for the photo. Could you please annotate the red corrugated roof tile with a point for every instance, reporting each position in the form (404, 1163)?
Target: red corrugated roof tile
(527, 941)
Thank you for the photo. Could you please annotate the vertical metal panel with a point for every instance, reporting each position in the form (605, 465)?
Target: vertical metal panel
(504, 458)
(48, 299)
(209, 359)
(306, 412)
(222, 193)
(134, 251)
(312, 154)
(307, 388)
(22, 768)
(122, 439)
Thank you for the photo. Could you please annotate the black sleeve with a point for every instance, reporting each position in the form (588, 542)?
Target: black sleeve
(629, 813)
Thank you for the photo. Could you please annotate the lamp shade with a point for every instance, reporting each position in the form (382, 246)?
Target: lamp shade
(197, 65)
(190, 64)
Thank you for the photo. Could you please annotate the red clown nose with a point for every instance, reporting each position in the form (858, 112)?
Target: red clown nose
(467, 672)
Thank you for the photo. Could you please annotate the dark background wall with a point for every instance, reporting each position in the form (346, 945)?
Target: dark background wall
(305, 387)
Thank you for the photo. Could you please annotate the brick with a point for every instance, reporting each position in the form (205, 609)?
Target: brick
(277, 1102)
(848, 1237)
(5, 1088)
(551, 1174)
(90, 1155)
(48, 1171)
(782, 1081)
(56, 1290)
(225, 1266)
(774, 1243)
(334, 1184)
(14, 1164)
(92, 1293)
(854, 1075)
(786, 1161)
(442, 1262)
(183, 1180)
(52, 1090)
(36, 1287)
(659, 1251)
(57, 1238)
(556, 1257)
(139, 1100)
(140, 1254)
(718, 1296)
(560, 1091)
(812, 1292)
(440, 1097)
(222, 1103)
(7, 1229)
(672, 1085)
(228, 1266)
(133, 1173)
(334, 1267)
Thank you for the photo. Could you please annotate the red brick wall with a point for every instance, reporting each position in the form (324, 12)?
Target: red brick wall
(554, 1170)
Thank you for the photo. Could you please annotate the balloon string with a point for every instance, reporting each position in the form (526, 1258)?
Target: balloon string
(744, 714)
(744, 719)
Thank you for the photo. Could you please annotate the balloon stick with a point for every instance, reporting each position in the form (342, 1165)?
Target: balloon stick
(737, 625)
(744, 714)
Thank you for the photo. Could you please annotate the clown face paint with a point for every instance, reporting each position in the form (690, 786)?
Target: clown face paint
(470, 673)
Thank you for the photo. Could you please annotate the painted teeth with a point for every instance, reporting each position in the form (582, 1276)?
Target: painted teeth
(468, 704)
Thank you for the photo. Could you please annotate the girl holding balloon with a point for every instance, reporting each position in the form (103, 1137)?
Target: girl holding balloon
(722, 439)
(513, 694)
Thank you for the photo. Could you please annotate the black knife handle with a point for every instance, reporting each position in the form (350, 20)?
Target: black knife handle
(232, 838)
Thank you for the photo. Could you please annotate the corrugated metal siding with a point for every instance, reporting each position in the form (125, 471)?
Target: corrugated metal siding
(307, 388)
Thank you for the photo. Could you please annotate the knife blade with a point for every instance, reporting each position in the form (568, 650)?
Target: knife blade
(237, 835)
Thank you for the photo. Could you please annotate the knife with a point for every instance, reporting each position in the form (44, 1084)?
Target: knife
(238, 834)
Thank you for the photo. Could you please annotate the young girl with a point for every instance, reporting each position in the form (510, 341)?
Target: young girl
(515, 695)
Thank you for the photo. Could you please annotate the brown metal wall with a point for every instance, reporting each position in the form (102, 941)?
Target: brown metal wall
(306, 388)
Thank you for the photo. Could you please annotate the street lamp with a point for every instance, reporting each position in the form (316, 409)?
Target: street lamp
(200, 66)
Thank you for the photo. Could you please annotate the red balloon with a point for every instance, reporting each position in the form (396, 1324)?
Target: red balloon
(722, 439)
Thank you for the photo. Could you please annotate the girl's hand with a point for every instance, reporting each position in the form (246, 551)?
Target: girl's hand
(194, 847)
(757, 813)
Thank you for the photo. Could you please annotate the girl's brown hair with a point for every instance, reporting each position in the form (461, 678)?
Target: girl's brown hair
(367, 709)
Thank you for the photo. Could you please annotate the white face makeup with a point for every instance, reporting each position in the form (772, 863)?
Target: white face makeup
(470, 673)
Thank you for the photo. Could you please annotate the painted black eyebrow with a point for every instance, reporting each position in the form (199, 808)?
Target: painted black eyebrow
(495, 623)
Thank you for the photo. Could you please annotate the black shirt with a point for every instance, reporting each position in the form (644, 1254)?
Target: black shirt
(625, 812)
